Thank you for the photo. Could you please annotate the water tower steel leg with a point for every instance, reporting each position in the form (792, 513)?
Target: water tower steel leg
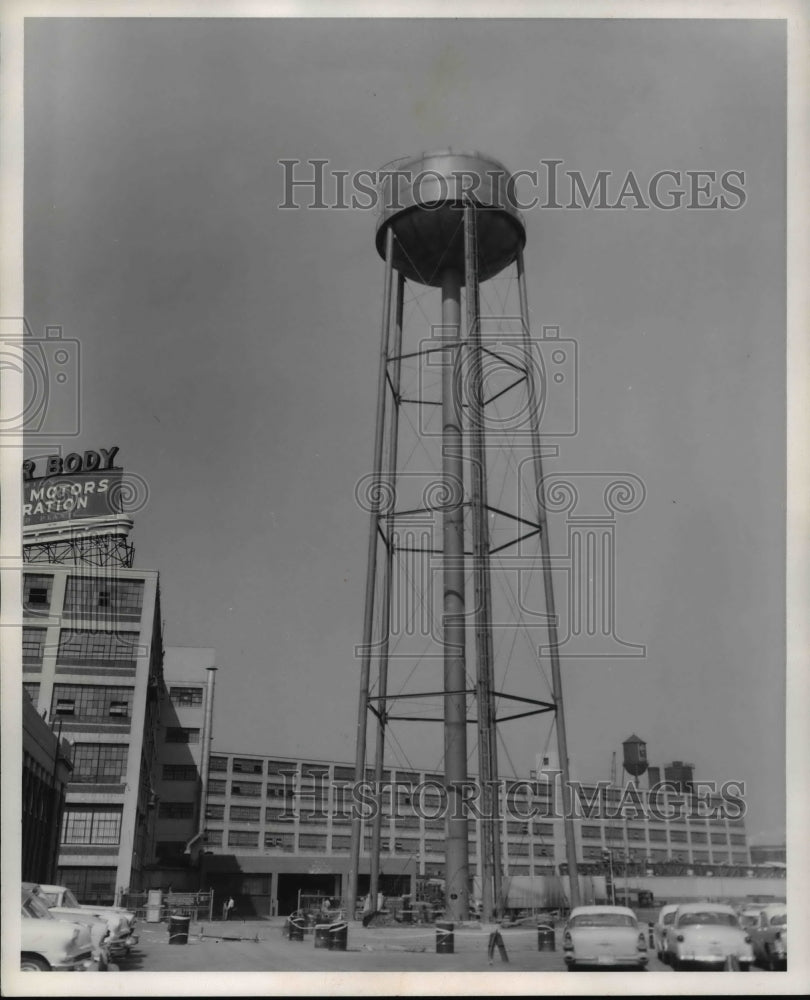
(386, 597)
(556, 679)
(454, 625)
(371, 571)
(489, 844)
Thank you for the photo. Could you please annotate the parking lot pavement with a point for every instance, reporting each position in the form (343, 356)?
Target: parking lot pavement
(259, 946)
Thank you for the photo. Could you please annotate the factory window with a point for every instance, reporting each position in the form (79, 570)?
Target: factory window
(92, 885)
(279, 841)
(616, 833)
(677, 836)
(737, 838)
(344, 773)
(178, 734)
(434, 846)
(636, 833)
(104, 763)
(698, 838)
(180, 772)
(214, 811)
(176, 810)
(37, 593)
(739, 859)
(592, 853)
(312, 842)
(243, 765)
(720, 857)
(407, 822)
(518, 869)
(282, 767)
(92, 702)
(31, 688)
(33, 646)
(405, 846)
(218, 764)
(718, 838)
(543, 852)
(90, 597)
(700, 855)
(213, 838)
(216, 787)
(243, 838)
(518, 850)
(341, 844)
(245, 814)
(545, 829)
(410, 777)
(658, 834)
(279, 814)
(513, 827)
(91, 824)
(187, 697)
(657, 854)
(94, 648)
(252, 789)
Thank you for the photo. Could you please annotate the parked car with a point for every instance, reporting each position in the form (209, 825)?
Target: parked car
(99, 927)
(121, 922)
(665, 917)
(707, 935)
(769, 937)
(604, 936)
(48, 944)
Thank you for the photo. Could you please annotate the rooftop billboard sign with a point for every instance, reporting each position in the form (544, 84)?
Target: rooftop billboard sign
(73, 487)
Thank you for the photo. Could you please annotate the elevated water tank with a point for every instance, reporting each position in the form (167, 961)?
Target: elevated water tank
(635, 756)
(422, 200)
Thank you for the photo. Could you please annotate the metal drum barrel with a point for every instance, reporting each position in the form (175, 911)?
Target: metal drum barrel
(545, 938)
(296, 929)
(445, 939)
(322, 935)
(338, 936)
(178, 929)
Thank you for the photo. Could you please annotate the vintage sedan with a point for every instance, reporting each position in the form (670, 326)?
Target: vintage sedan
(121, 922)
(665, 917)
(708, 935)
(604, 936)
(769, 937)
(51, 945)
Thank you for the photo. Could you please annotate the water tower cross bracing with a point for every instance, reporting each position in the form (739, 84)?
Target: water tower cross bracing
(448, 222)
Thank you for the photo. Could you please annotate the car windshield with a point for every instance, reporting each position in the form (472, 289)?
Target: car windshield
(749, 919)
(708, 917)
(668, 917)
(602, 920)
(779, 920)
(69, 899)
(34, 907)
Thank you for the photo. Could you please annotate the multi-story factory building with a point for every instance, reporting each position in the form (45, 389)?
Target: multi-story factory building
(277, 826)
(93, 666)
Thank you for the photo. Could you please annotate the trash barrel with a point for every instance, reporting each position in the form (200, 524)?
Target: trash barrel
(545, 938)
(178, 929)
(296, 929)
(322, 935)
(338, 936)
(444, 938)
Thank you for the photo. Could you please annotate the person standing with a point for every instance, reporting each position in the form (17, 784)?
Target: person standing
(227, 908)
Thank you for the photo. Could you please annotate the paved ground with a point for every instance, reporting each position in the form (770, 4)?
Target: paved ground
(248, 946)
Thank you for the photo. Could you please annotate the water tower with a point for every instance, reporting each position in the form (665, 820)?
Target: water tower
(447, 222)
(635, 756)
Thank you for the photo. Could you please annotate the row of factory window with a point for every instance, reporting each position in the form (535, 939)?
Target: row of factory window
(639, 833)
(97, 596)
(82, 647)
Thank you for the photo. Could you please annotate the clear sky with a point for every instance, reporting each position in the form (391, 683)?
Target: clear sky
(229, 348)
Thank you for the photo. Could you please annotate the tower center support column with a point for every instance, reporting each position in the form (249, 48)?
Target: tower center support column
(454, 626)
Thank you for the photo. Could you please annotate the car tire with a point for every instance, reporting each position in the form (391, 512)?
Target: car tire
(33, 963)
